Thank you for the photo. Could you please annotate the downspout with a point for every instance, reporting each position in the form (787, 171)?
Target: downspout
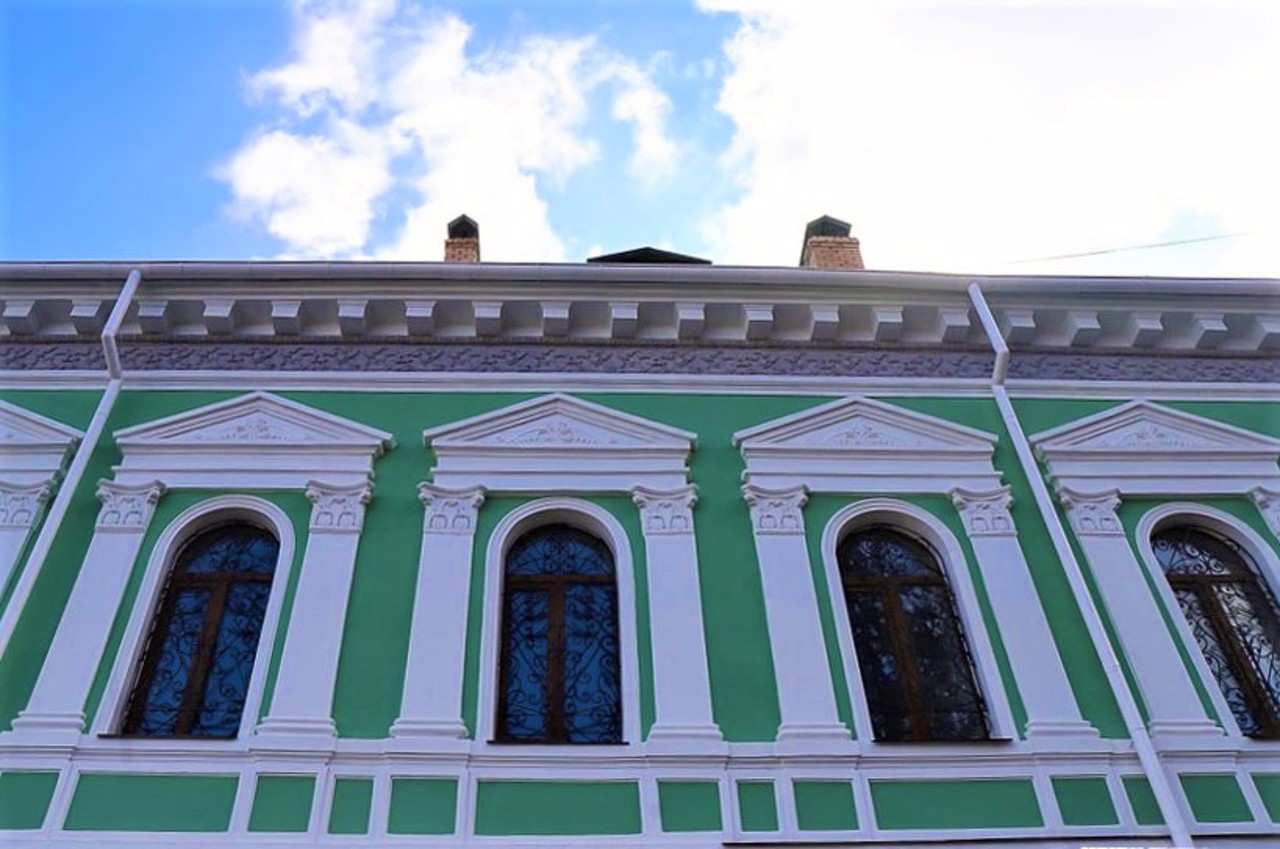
(1147, 756)
(71, 482)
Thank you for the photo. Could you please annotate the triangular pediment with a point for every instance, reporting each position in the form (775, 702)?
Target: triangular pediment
(854, 425)
(257, 420)
(23, 430)
(556, 423)
(1141, 427)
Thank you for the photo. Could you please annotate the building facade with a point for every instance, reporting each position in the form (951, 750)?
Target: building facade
(636, 552)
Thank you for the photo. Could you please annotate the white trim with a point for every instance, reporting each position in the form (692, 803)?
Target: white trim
(601, 523)
(924, 524)
(1229, 526)
(33, 447)
(187, 525)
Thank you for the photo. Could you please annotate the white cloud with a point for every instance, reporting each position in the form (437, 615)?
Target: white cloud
(963, 138)
(407, 112)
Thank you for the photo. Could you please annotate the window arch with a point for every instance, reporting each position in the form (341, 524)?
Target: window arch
(914, 661)
(560, 670)
(1231, 614)
(196, 667)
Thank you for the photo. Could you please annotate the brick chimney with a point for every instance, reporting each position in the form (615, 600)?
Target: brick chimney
(827, 244)
(463, 244)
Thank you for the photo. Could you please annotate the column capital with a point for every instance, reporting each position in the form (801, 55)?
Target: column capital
(127, 507)
(449, 511)
(1092, 513)
(338, 509)
(776, 511)
(666, 511)
(19, 503)
(985, 513)
(1268, 501)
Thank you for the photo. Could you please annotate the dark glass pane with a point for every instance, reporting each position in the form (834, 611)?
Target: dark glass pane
(230, 550)
(1216, 658)
(882, 553)
(591, 675)
(1253, 615)
(177, 651)
(524, 715)
(231, 665)
(881, 676)
(1188, 551)
(559, 550)
(949, 694)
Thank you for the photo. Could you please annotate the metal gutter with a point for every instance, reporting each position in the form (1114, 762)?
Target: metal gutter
(71, 481)
(1179, 832)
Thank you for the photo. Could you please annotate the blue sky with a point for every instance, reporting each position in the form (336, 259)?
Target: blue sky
(954, 136)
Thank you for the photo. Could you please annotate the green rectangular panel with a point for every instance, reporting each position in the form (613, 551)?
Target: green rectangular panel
(423, 806)
(557, 807)
(112, 802)
(825, 806)
(1216, 798)
(1269, 789)
(25, 798)
(282, 803)
(690, 805)
(1085, 801)
(758, 806)
(352, 799)
(996, 803)
(1146, 811)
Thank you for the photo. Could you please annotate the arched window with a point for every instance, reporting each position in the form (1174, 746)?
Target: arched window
(912, 654)
(198, 660)
(1233, 617)
(559, 679)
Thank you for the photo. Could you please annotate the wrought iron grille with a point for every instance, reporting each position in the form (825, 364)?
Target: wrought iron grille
(1233, 617)
(560, 678)
(912, 655)
(195, 670)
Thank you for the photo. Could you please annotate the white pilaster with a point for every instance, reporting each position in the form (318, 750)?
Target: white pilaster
(806, 695)
(302, 704)
(431, 706)
(682, 685)
(1173, 706)
(19, 507)
(1042, 681)
(56, 711)
(1268, 501)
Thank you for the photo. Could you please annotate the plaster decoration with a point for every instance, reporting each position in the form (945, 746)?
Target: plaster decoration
(449, 511)
(1093, 514)
(862, 445)
(666, 512)
(776, 512)
(1268, 501)
(256, 441)
(559, 443)
(127, 507)
(32, 448)
(19, 505)
(985, 513)
(338, 509)
(1146, 448)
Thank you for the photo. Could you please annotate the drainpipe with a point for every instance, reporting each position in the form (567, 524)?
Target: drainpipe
(71, 482)
(1147, 756)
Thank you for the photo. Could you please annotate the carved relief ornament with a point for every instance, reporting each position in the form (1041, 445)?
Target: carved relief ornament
(127, 507)
(985, 513)
(449, 511)
(666, 511)
(776, 511)
(338, 509)
(1092, 514)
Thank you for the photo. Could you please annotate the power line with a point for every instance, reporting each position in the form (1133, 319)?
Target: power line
(1130, 248)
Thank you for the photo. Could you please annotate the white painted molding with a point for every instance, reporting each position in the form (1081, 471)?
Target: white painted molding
(867, 446)
(337, 509)
(594, 520)
(188, 524)
(1142, 448)
(450, 511)
(558, 443)
(20, 505)
(256, 441)
(1092, 513)
(1268, 503)
(666, 511)
(776, 511)
(1226, 525)
(985, 513)
(33, 448)
(127, 508)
